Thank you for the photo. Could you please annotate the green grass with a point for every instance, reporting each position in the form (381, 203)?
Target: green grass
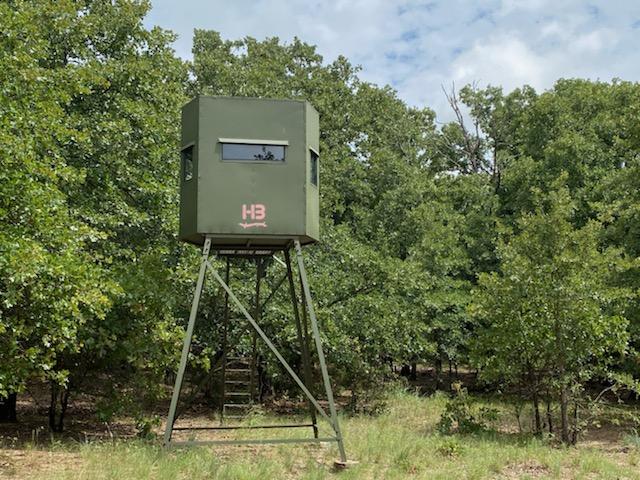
(401, 443)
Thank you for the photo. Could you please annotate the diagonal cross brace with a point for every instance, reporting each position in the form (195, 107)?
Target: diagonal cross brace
(274, 290)
(271, 346)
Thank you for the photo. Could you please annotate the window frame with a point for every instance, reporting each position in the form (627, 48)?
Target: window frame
(254, 142)
(190, 172)
(314, 167)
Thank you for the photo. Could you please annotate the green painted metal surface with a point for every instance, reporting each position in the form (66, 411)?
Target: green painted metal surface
(248, 202)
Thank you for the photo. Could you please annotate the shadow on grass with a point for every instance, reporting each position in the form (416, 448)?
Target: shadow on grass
(32, 432)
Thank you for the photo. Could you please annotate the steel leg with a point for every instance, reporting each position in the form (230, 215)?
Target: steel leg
(304, 347)
(187, 342)
(321, 359)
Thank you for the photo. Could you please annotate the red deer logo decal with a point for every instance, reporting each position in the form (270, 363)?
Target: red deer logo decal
(256, 212)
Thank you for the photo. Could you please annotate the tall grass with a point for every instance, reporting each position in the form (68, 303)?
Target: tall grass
(401, 443)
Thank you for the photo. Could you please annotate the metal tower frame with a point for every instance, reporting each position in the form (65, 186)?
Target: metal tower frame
(307, 305)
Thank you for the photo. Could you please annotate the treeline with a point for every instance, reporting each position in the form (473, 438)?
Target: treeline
(507, 240)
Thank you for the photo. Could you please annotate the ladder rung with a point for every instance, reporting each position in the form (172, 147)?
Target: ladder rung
(238, 405)
(238, 394)
(235, 416)
(238, 370)
(237, 382)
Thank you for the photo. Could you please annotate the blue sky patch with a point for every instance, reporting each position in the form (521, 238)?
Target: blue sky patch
(409, 36)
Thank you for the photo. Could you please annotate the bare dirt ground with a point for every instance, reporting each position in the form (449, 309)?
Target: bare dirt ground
(28, 448)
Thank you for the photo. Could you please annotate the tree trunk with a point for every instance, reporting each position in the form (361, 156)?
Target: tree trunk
(535, 397)
(549, 419)
(574, 428)
(353, 399)
(518, 411)
(8, 408)
(58, 406)
(438, 366)
(564, 414)
(536, 412)
(414, 371)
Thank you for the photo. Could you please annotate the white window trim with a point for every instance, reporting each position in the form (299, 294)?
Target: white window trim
(252, 141)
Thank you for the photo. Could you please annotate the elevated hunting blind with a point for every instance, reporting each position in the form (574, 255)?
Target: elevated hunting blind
(249, 180)
(249, 173)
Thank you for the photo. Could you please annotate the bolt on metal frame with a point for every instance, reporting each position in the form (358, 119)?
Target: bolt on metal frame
(302, 333)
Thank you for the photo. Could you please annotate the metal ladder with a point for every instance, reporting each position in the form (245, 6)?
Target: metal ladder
(239, 372)
(239, 387)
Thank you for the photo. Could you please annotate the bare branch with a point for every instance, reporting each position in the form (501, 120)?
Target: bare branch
(472, 142)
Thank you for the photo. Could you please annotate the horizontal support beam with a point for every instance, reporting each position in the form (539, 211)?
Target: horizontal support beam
(252, 441)
(248, 255)
(246, 427)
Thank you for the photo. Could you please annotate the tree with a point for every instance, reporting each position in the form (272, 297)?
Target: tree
(90, 102)
(484, 136)
(550, 318)
(50, 285)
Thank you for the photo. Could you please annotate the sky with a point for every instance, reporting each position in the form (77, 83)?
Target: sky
(419, 47)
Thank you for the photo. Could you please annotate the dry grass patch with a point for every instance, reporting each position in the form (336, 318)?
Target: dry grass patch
(528, 469)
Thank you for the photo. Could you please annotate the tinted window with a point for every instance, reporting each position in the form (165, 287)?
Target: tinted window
(314, 168)
(187, 163)
(255, 153)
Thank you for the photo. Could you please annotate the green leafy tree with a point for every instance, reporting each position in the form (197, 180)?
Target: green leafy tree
(91, 269)
(551, 316)
(50, 286)
(587, 129)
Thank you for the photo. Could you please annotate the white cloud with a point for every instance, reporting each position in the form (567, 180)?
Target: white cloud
(417, 46)
(595, 41)
(504, 58)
